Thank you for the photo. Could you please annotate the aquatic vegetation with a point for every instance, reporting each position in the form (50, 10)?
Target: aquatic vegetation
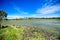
(34, 29)
(24, 33)
(20, 33)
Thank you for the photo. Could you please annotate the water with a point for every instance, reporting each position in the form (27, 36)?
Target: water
(35, 22)
(48, 25)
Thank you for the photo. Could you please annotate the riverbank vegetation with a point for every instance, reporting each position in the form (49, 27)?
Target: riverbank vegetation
(24, 33)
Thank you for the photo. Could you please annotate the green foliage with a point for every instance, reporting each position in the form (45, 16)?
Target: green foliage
(20, 33)
(24, 33)
(2, 15)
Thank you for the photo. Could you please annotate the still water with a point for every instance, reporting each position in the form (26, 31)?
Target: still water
(48, 25)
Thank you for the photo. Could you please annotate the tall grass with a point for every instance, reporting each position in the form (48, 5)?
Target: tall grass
(23, 33)
(20, 33)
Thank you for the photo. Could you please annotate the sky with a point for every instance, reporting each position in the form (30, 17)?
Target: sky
(30, 8)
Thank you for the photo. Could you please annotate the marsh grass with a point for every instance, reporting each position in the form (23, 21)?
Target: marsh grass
(30, 30)
(20, 33)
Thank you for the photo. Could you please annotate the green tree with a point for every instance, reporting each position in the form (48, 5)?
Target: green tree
(3, 14)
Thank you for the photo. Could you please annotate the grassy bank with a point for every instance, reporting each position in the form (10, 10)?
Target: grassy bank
(23, 33)
(20, 33)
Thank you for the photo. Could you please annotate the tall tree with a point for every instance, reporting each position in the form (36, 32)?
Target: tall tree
(3, 14)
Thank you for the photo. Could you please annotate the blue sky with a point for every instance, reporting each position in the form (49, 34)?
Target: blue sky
(31, 8)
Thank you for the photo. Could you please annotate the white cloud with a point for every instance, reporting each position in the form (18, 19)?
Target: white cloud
(49, 9)
(44, 15)
(50, 16)
(34, 15)
(14, 16)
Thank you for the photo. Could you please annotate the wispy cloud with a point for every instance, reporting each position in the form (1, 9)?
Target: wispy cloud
(24, 12)
(49, 9)
(19, 10)
(49, 3)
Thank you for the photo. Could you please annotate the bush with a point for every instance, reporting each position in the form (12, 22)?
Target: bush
(4, 26)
